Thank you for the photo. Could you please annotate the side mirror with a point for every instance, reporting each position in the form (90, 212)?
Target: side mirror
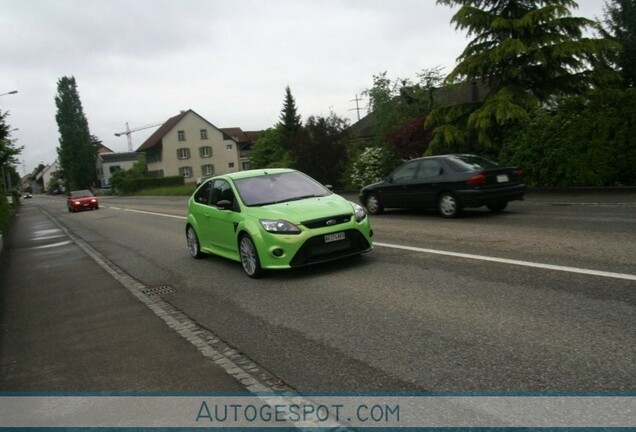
(224, 205)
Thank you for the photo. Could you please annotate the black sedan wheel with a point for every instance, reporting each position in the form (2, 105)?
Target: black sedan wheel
(249, 257)
(373, 205)
(448, 205)
(498, 207)
(193, 243)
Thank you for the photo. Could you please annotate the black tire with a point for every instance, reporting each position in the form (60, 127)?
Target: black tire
(194, 247)
(374, 205)
(249, 257)
(497, 207)
(448, 205)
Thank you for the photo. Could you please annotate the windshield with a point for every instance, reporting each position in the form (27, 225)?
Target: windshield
(277, 188)
(81, 193)
(465, 163)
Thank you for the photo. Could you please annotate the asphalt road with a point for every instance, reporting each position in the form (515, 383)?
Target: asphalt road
(541, 297)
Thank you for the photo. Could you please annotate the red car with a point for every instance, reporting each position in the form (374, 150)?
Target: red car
(81, 200)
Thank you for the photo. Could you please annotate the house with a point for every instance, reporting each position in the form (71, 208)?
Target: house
(245, 142)
(110, 163)
(44, 177)
(190, 146)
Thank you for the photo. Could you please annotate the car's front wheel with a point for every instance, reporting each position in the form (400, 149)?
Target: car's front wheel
(448, 205)
(249, 257)
(193, 243)
(374, 205)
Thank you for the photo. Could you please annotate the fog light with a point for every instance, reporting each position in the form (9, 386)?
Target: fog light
(277, 252)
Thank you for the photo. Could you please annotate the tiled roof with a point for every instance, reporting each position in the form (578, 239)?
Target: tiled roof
(156, 137)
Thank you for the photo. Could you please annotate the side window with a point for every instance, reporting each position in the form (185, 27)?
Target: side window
(222, 191)
(405, 172)
(202, 196)
(428, 168)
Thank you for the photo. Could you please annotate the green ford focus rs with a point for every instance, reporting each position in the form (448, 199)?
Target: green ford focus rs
(274, 219)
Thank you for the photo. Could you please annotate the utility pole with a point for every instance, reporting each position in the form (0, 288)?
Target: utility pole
(357, 108)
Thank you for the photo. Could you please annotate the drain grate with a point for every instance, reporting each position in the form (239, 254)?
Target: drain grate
(160, 290)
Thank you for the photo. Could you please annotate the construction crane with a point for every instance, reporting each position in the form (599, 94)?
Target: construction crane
(128, 131)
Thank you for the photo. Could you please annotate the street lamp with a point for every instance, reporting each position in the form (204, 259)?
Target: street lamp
(11, 92)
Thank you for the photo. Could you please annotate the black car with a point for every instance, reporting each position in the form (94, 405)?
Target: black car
(447, 183)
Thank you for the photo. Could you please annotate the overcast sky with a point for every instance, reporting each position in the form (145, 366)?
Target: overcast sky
(142, 61)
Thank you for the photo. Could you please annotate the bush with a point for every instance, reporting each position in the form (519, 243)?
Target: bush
(132, 185)
(371, 166)
(583, 141)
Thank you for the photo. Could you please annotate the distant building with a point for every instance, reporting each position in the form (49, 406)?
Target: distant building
(188, 145)
(110, 163)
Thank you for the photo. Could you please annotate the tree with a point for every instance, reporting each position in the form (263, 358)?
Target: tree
(76, 151)
(319, 148)
(526, 52)
(8, 152)
(269, 152)
(289, 117)
(399, 108)
(620, 20)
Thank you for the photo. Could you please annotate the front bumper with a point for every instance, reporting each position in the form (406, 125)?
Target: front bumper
(310, 247)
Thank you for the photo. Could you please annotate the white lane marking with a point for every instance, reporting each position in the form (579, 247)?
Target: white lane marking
(52, 245)
(148, 212)
(578, 270)
(512, 262)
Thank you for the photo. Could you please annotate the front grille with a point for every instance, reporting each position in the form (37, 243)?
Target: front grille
(328, 221)
(315, 250)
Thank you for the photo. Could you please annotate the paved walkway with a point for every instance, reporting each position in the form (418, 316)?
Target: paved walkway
(68, 325)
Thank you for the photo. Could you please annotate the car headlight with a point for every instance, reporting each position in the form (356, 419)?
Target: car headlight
(279, 226)
(358, 211)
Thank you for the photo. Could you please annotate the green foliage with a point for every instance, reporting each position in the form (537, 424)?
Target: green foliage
(399, 108)
(289, 118)
(526, 52)
(269, 151)
(131, 180)
(5, 212)
(319, 148)
(582, 141)
(373, 164)
(8, 156)
(620, 20)
(130, 185)
(76, 152)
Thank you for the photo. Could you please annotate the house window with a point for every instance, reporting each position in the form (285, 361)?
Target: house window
(183, 153)
(185, 171)
(231, 165)
(205, 152)
(207, 170)
(204, 134)
(114, 168)
(228, 147)
(246, 166)
(181, 135)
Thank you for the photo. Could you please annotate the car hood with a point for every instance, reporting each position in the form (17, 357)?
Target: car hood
(304, 210)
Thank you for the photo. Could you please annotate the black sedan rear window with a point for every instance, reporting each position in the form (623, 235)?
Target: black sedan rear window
(465, 163)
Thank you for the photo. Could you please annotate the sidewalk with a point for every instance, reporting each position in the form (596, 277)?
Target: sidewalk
(68, 325)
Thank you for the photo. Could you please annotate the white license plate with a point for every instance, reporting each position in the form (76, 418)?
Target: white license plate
(334, 237)
(502, 178)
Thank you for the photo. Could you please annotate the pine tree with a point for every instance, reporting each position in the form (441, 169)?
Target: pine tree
(525, 52)
(76, 151)
(620, 19)
(289, 117)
